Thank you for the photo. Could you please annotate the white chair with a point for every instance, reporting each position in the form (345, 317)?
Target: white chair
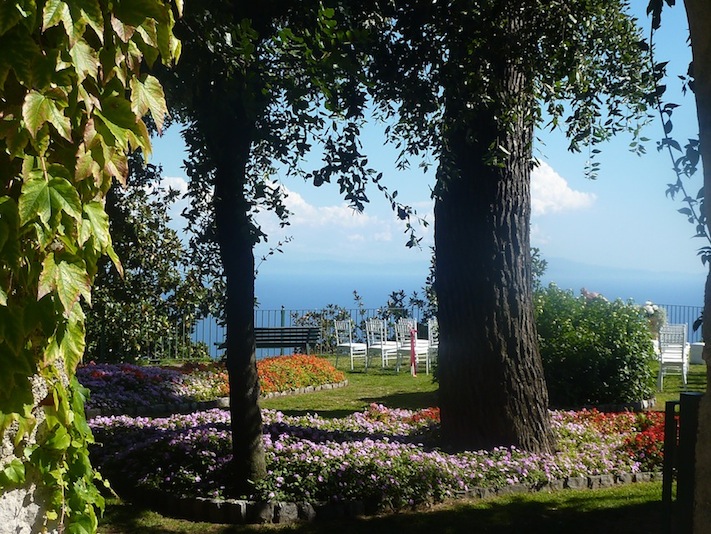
(433, 338)
(403, 335)
(673, 352)
(378, 344)
(345, 343)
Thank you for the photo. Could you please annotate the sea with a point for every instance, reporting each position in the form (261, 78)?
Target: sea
(300, 290)
(303, 290)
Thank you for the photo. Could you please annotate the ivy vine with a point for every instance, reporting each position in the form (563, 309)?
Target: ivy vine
(72, 95)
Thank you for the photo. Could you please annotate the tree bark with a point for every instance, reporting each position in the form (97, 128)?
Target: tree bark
(699, 16)
(492, 388)
(228, 130)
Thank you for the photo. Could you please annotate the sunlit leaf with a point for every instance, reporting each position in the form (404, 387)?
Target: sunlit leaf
(147, 96)
(85, 60)
(38, 109)
(96, 223)
(35, 201)
(73, 343)
(54, 12)
(68, 280)
(64, 197)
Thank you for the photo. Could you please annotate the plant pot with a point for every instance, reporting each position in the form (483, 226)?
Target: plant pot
(695, 353)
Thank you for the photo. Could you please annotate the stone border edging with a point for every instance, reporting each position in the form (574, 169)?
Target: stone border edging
(164, 410)
(237, 511)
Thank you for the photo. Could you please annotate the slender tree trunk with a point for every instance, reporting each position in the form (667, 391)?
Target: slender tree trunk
(492, 388)
(699, 15)
(229, 134)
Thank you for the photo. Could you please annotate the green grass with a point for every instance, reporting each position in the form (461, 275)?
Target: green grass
(377, 385)
(630, 508)
(673, 386)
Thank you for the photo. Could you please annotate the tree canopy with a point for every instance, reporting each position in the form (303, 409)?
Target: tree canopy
(149, 310)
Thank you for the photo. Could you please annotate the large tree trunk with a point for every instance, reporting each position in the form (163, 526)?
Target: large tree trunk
(228, 132)
(492, 388)
(699, 15)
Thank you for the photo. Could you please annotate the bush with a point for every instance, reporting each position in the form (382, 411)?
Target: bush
(594, 351)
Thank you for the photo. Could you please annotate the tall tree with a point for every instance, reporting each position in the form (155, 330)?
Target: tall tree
(472, 79)
(256, 85)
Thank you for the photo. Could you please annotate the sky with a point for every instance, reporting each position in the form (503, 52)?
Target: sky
(619, 234)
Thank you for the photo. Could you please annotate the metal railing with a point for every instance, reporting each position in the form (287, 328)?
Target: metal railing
(207, 336)
(211, 334)
(684, 315)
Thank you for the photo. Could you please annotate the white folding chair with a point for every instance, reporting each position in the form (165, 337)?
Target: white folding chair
(404, 332)
(378, 344)
(345, 343)
(673, 352)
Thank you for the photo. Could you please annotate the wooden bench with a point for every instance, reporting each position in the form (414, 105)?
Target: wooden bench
(287, 337)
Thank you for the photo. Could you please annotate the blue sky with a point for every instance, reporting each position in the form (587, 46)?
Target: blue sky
(620, 226)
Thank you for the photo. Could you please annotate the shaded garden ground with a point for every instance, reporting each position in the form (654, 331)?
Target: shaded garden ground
(630, 508)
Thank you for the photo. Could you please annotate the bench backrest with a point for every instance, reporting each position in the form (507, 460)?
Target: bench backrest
(276, 337)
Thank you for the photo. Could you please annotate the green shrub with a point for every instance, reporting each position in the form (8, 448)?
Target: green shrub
(593, 351)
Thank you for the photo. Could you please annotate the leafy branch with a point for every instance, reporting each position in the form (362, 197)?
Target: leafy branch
(684, 165)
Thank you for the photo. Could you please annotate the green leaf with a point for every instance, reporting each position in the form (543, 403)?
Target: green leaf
(117, 116)
(167, 42)
(81, 524)
(35, 201)
(14, 473)
(54, 12)
(147, 96)
(95, 223)
(10, 15)
(85, 60)
(38, 109)
(9, 231)
(91, 10)
(68, 280)
(134, 12)
(64, 197)
(72, 342)
(18, 51)
(59, 439)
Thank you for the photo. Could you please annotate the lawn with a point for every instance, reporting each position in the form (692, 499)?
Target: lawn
(696, 382)
(628, 508)
(377, 385)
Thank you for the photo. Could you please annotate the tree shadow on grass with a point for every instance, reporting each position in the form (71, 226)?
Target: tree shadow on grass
(409, 401)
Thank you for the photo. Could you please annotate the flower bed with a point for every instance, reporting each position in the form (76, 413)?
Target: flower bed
(380, 456)
(123, 387)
